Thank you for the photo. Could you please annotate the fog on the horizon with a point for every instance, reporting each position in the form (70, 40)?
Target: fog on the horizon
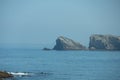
(42, 21)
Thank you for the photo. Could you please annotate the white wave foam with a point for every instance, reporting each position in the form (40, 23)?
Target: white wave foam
(27, 74)
(19, 74)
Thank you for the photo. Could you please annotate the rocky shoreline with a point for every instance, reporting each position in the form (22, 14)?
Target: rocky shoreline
(4, 75)
(97, 42)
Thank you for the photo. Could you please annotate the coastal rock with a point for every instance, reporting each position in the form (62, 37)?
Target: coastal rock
(5, 75)
(63, 43)
(104, 42)
(47, 49)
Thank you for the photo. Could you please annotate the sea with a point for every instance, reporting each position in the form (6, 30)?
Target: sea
(37, 64)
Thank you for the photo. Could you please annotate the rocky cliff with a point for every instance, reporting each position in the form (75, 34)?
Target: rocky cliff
(63, 43)
(104, 42)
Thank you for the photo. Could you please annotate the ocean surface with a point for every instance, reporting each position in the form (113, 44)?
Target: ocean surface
(36, 64)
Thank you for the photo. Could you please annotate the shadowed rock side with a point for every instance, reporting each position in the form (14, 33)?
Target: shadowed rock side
(63, 43)
(104, 42)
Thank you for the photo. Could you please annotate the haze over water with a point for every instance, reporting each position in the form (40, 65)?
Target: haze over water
(41, 22)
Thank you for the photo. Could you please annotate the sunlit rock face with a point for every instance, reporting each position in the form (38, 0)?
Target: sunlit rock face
(104, 42)
(63, 43)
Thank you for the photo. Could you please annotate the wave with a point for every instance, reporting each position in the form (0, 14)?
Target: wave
(28, 74)
(20, 74)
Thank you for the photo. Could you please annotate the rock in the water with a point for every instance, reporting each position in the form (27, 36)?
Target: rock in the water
(47, 49)
(5, 75)
(104, 42)
(63, 43)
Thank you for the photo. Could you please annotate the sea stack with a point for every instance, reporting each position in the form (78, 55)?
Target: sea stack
(104, 42)
(63, 43)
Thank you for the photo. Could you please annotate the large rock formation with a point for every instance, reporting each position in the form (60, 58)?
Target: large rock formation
(104, 42)
(63, 43)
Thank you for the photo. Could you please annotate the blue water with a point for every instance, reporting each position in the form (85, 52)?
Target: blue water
(61, 65)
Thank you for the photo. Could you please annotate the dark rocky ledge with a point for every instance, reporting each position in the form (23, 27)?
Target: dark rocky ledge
(47, 49)
(5, 75)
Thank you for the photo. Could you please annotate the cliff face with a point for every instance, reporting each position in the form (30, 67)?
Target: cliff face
(104, 42)
(63, 43)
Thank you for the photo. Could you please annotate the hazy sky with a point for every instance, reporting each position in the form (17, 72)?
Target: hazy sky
(42, 21)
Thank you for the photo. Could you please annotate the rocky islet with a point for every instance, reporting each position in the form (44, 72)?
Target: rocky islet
(97, 42)
(63, 43)
(104, 42)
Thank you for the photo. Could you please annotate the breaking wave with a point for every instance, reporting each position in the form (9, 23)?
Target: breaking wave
(28, 74)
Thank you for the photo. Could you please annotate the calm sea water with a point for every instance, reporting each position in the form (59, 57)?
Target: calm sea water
(61, 65)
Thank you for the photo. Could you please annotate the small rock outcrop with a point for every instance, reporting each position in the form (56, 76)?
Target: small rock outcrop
(104, 42)
(5, 75)
(47, 49)
(63, 43)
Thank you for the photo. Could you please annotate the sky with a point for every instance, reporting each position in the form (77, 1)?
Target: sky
(42, 21)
